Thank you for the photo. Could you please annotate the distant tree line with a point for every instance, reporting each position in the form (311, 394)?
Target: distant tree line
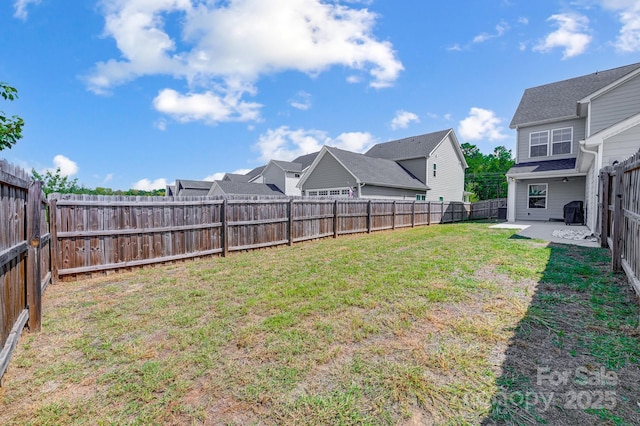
(54, 182)
(486, 178)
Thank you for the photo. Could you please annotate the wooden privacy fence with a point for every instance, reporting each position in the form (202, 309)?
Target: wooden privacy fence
(102, 233)
(619, 220)
(24, 257)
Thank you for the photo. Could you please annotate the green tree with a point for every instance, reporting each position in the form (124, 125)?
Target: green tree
(10, 127)
(55, 182)
(486, 176)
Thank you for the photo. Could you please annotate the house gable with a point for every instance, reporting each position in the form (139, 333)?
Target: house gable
(327, 172)
(615, 105)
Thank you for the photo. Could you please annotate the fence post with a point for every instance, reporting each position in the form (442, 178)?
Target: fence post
(616, 255)
(53, 230)
(442, 216)
(291, 222)
(34, 287)
(428, 212)
(225, 229)
(413, 214)
(335, 219)
(393, 225)
(605, 177)
(369, 216)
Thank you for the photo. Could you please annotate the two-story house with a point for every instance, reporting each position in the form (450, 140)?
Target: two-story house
(425, 167)
(436, 159)
(566, 132)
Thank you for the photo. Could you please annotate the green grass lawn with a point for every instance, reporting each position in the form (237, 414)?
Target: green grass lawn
(445, 324)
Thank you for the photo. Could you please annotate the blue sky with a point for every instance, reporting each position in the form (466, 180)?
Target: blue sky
(137, 93)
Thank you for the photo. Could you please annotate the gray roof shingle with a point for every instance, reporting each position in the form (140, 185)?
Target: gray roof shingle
(543, 166)
(559, 99)
(234, 177)
(246, 188)
(289, 166)
(306, 160)
(255, 172)
(377, 171)
(412, 147)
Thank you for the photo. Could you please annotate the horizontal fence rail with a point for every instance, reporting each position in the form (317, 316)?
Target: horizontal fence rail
(102, 233)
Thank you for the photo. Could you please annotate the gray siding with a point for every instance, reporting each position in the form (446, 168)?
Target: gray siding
(381, 192)
(615, 105)
(417, 167)
(449, 180)
(621, 146)
(558, 194)
(290, 183)
(522, 149)
(274, 175)
(329, 173)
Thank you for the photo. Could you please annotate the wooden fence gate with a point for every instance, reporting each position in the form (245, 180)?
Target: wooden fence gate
(25, 265)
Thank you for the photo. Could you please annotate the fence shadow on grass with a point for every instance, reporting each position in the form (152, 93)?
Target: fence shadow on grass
(574, 356)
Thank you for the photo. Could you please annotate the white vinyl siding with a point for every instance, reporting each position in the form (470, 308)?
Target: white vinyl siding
(538, 196)
(448, 182)
(561, 141)
(616, 105)
(539, 144)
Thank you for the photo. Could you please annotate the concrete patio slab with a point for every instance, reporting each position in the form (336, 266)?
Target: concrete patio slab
(556, 232)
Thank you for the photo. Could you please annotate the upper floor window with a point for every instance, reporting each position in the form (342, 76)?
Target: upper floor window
(561, 140)
(539, 144)
(434, 169)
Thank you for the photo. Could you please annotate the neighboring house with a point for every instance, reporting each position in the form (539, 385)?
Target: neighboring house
(566, 132)
(189, 188)
(435, 159)
(255, 175)
(339, 173)
(234, 177)
(221, 188)
(286, 175)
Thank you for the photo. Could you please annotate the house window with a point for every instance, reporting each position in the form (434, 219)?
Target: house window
(421, 197)
(561, 140)
(334, 192)
(312, 193)
(539, 144)
(434, 169)
(297, 175)
(538, 196)
(323, 193)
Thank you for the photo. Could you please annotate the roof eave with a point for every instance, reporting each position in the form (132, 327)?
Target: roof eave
(541, 122)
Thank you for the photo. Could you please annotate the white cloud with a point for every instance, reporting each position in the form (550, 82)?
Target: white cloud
(481, 124)
(67, 167)
(501, 28)
(629, 14)
(20, 7)
(225, 47)
(403, 119)
(301, 101)
(455, 48)
(572, 35)
(160, 124)
(148, 185)
(523, 20)
(108, 177)
(286, 144)
(209, 107)
(220, 175)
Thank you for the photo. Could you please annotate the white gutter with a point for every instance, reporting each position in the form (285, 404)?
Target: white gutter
(582, 144)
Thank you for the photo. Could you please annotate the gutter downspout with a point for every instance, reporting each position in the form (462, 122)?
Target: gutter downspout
(590, 223)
